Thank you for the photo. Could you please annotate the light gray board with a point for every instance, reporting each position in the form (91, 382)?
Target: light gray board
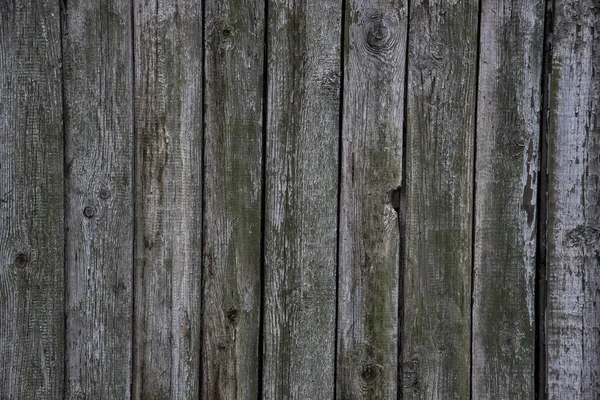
(303, 107)
(168, 238)
(442, 67)
(369, 252)
(508, 135)
(235, 33)
(98, 82)
(573, 304)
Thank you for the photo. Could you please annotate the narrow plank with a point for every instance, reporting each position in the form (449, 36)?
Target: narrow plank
(234, 55)
(439, 170)
(369, 249)
(99, 204)
(573, 305)
(168, 179)
(31, 202)
(508, 134)
(304, 52)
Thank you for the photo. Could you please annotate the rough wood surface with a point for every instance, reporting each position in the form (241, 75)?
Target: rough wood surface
(233, 197)
(508, 131)
(168, 238)
(572, 322)
(301, 198)
(99, 204)
(31, 202)
(439, 174)
(369, 250)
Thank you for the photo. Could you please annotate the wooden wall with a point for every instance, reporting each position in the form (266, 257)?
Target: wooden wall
(283, 199)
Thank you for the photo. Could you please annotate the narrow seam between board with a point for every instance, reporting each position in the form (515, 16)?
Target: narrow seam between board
(540, 369)
(134, 180)
(202, 202)
(474, 194)
(402, 221)
(263, 207)
(339, 193)
(62, 16)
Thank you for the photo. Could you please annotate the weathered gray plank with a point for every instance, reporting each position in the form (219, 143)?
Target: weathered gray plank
(99, 205)
(168, 238)
(301, 198)
(439, 170)
(572, 316)
(508, 127)
(233, 192)
(31, 202)
(369, 249)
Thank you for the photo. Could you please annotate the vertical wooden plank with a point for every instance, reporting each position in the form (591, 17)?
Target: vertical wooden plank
(572, 323)
(369, 249)
(233, 196)
(304, 52)
(508, 127)
(31, 201)
(99, 204)
(439, 174)
(168, 238)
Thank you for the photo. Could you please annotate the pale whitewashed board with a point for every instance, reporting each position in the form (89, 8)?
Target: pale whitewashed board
(573, 307)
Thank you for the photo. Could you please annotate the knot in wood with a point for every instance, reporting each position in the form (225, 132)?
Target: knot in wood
(369, 372)
(232, 315)
(381, 33)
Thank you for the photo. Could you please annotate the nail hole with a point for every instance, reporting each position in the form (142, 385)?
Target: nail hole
(226, 32)
(104, 194)
(89, 212)
(21, 260)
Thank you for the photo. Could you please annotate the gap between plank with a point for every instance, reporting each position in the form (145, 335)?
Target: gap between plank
(343, 38)
(263, 195)
(474, 188)
(402, 222)
(134, 166)
(540, 369)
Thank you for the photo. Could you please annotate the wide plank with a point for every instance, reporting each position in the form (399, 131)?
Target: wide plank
(234, 62)
(31, 202)
(573, 302)
(168, 215)
(371, 176)
(301, 198)
(508, 140)
(442, 64)
(98, 83)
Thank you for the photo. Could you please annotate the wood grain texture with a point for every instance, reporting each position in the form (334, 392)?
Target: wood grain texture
(235, 52)
(508, 132)
(369, 249)
(572, 322)
(31, 202)
(301, 198)
(168, 239)
(439, 174)
(99, 205)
